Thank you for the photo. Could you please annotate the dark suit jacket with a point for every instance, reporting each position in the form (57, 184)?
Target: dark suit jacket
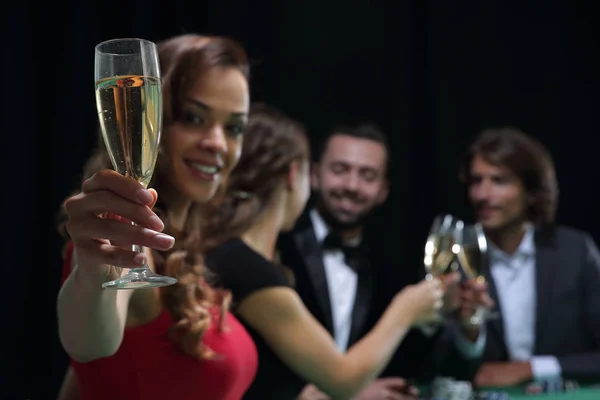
(300, 251)
(568, 304)
(418, 357)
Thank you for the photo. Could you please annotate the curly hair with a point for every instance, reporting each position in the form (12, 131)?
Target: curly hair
(272, 141)
(192, 301)
(527, 158)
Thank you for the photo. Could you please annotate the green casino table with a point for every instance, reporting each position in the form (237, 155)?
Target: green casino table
(583, 393)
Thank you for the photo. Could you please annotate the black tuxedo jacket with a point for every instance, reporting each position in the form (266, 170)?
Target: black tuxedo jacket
(300, 251)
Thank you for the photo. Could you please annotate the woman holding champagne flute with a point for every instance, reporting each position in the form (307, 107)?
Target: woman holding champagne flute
(178, 341)
(265, 195)
(176, 338)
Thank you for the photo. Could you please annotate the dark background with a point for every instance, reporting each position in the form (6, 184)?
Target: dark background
(430, 73)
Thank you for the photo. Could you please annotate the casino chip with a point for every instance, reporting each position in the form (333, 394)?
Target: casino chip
(492, 396)
(444, 388)
(534, 388)
(551, 386)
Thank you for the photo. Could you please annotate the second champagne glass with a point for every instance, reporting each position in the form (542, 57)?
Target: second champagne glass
(129, 104)
(473, 258)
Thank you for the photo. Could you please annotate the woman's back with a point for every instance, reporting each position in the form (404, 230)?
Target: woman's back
(243, 271)
(265, 194)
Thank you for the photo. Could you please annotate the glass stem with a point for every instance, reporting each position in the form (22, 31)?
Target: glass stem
(143, 269)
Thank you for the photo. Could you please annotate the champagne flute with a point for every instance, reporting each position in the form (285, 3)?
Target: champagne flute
(129, 104)
(472, 251)
(439, 248)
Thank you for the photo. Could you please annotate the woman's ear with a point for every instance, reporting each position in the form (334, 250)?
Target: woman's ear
(290, 177)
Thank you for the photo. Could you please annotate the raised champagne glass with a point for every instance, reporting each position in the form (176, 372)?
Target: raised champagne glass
(439, 248)
(472, 251)
(129, 104)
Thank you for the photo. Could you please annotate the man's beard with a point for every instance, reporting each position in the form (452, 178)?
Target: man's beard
(330, 217)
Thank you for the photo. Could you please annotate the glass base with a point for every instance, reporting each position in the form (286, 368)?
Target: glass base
(140, 278)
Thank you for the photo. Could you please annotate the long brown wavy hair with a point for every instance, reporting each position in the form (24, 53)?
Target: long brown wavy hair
(183, 60)
(272, 141)
(527, 158)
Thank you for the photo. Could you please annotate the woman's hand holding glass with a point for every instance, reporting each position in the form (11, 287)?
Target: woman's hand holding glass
(100, 225)
(424, 300)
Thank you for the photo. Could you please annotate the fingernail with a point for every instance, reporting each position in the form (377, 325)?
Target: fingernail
(139, 259)
(155, 223)
(144, 196)
(165, 241)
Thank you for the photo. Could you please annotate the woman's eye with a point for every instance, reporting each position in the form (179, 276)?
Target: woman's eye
(193, 118)
(236, 129)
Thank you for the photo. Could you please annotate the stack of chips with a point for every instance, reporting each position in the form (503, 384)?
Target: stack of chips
(443, 388)
(557, 385)
(492, 396)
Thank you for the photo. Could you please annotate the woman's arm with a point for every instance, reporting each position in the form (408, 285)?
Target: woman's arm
(279, 315)
(91, 320)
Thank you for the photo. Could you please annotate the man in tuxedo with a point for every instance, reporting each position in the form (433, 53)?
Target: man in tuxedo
(335, 274)
(544, 278)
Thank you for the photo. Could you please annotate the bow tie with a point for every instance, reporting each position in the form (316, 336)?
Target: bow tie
(352, 254)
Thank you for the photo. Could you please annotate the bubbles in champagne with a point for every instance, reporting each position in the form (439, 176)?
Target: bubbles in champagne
(438, 253)
(130, 113)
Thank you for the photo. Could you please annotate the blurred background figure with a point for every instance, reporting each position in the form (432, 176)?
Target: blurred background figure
(265, 195)
(338, 274)
(544, 277)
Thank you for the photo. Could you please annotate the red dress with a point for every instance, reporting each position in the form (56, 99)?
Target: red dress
(149, 366)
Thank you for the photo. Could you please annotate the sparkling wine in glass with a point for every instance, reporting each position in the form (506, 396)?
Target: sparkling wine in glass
(439, 248)
(472, 256)
(129, 105)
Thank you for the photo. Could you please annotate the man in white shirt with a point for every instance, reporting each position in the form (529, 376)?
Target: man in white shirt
(544, 278)
(333, 267)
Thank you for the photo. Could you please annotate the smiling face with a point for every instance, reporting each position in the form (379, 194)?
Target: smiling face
(349, 182)
(204, 145)
(498, 196)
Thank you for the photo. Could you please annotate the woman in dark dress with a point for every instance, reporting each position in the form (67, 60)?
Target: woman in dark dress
(266, 193)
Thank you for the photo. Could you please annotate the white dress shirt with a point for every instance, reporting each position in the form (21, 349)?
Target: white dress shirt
(514, 278)
(342, 284)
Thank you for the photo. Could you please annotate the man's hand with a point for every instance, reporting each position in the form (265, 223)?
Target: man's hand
(499, 374)
(392, 388)
(473, 294)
